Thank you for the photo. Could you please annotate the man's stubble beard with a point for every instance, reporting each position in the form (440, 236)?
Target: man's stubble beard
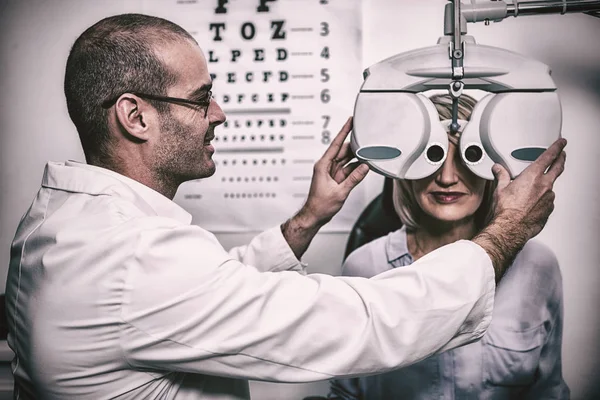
(177, 157)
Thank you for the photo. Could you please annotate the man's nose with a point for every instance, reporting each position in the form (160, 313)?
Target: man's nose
(216, 116)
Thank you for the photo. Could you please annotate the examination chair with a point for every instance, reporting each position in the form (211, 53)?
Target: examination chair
(376, 220)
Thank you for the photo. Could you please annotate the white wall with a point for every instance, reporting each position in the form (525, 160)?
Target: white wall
(35, 37)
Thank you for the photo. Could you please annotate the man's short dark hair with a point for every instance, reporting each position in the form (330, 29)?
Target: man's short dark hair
(114, 56)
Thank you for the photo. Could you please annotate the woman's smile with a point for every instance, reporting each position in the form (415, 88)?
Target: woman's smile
(446, 197)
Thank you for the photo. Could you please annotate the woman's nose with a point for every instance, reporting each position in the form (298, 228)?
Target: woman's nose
(448, 174)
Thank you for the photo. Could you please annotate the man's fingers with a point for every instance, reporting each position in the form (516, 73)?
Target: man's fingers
(502, 176)
(343, 157)
(547, 158)
(336, 143)
(343, 173)
(557, 168)
(355, 177)
(546, 203)
(345, 153)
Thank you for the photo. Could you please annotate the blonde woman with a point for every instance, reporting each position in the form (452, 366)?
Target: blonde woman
(520, 355)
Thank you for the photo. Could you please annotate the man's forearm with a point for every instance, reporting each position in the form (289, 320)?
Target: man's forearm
(502, 240)
(299, 231)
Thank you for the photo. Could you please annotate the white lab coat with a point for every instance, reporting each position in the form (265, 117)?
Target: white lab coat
(111, 292)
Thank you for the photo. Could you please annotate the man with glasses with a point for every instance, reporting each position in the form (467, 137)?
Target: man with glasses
(112, 293)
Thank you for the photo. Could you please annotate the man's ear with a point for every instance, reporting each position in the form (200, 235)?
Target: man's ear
(134, 116)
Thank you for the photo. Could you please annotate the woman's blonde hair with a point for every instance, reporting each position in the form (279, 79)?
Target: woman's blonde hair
(405, 202)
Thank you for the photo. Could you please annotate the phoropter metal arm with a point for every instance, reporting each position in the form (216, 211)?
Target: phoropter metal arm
(455, 24)
(498, 10)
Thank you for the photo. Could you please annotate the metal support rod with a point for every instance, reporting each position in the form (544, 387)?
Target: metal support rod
(456, 50)
(456, 25)
(456, 47)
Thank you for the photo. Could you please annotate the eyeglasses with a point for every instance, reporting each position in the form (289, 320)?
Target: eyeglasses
(204, 104)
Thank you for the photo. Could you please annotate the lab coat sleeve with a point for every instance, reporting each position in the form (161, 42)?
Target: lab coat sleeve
(190, 307)
(269, 251)
(366, 261)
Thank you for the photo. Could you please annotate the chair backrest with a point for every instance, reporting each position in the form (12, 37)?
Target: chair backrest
(378, 219)
(3, 321)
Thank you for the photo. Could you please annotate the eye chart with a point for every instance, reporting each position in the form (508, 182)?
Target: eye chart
(286, 73)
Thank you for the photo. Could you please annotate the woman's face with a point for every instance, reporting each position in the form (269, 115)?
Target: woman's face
(453, 193)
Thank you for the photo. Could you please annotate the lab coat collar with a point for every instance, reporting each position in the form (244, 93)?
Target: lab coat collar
(79, 177)
(397, 245)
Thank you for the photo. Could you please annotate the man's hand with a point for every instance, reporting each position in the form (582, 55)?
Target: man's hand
(331, 184)
(522, 206)
(333, 180)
